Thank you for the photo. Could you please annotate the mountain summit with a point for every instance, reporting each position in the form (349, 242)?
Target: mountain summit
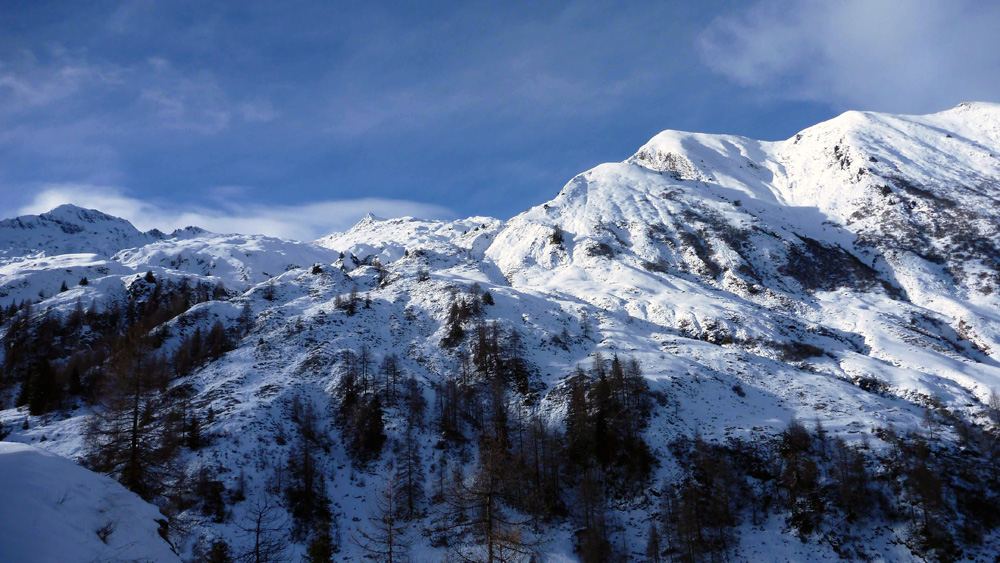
(69, 229)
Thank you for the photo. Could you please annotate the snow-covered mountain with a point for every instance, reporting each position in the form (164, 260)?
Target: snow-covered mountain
(697, 230)
(849, 275)
(69, 229)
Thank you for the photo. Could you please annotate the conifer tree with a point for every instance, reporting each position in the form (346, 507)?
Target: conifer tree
(390, 371)
(384, 537)
(409, 476)
(263, 529)
(653, 549)
(129, 436)
(478, 506)
(306, 492)
(219, 553)
(320, 548)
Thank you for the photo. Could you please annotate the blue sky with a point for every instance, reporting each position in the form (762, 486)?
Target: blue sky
(296, 118)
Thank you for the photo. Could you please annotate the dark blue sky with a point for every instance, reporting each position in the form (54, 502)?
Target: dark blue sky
(295, 118)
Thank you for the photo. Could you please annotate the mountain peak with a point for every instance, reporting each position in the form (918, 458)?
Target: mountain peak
(69, 229)
(189, 232)
(976, 106)
(74, 213)
(369, 218)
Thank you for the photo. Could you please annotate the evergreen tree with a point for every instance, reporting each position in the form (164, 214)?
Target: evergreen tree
(270, 291)
(320, 549)
(217, 342)
(578, 431)
(800, 478)
(245, 320)
(593, 542)
(263, 529)
(409, 477)
(384, 536)
(219, 553)
(653, 549)
(416, 404)
(478, 506)
(306, 493)
(368, 436)
(40, 390)
(390, 371)
(129, 436)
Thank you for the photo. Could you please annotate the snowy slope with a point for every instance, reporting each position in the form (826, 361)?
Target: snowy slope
(55, 510)
(239, 261)
(390, 239)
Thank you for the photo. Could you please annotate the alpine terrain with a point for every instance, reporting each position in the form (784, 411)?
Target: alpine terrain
(720, 349)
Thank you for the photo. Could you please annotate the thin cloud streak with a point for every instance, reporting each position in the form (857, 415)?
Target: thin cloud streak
(297, 222)
(884, 55)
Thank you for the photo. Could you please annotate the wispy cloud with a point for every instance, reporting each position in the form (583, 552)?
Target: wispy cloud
(890, 55)
(68, 117)
(27, 83)
(152, 93)
(196, 101)
(125, 16)
(299, 222)
(567, 63)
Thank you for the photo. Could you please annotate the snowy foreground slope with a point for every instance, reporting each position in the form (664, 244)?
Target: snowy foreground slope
(848, 276)
(55, 510)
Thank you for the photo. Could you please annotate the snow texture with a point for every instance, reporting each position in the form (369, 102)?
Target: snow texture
(55, 510)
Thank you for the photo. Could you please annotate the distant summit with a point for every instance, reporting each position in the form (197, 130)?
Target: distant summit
(70, 229)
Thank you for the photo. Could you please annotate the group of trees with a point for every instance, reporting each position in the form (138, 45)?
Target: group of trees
(525, 475)
(140, 421)
(351, 302)
(606, 414)
(471, 306)
(948, 494)
(52, 357)
(385, 534)
(527, 471)
(517, 477)
(361, 400)
(305, 492)
(135, 428)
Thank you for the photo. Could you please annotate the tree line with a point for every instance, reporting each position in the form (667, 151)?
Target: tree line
(51, 358)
